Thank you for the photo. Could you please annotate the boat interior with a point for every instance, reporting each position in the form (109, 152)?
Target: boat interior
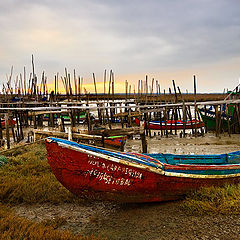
(218, 159)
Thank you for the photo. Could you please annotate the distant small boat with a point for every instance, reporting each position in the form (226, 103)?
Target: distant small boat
(3, 122)
(115, 141)
(17, 99)
(130, 177)
(229, 114)
(157, 125)
(209, 117)
(81, 117)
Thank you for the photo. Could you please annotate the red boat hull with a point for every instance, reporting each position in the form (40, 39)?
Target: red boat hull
(3, 123)
(169, 125)
(95, 177)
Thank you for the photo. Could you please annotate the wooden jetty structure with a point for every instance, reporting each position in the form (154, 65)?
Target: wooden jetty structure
(28, 104)
(32, 117)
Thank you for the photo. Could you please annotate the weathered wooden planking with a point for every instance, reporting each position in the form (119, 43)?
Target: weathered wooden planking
(118, 131)
(156, 106)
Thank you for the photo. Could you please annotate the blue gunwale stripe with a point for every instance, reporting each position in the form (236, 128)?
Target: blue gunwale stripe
(153, 161)
(126, 156)
(206, 172)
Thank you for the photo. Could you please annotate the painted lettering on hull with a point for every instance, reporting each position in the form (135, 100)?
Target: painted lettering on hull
(115, 168)
(101, 169)
(108, 179)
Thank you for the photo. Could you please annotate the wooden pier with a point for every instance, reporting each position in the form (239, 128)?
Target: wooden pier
(27, 105)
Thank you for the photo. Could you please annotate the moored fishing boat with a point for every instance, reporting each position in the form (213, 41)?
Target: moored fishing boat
(228, 114)
(157, 125)
(209, 119)
(129, 177)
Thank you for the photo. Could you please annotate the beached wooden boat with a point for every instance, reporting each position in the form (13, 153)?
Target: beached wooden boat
(129, 177)
(157, 125)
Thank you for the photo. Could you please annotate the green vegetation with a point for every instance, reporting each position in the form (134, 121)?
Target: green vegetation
(27, 178)
(213, 200)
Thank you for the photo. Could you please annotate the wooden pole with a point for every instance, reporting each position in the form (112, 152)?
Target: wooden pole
(24, 77)
(62, 126)
(160, 116)
(228, 121)
(12, 128)
(75, 81)
(113, 110)
(144, 142)
(95, 86)
(165, 121)
(238, 117)
(18, 131)
(104, 94)
(88, 121)
(217, 119)
(21, 126)
(79, 88)
(109, 91)
(33, 81)
(1, 135)
(184, 119)
(195, 105)
(7, 130)
(146, 90)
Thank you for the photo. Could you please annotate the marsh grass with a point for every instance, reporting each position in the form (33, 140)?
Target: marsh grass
(27, 178)
(213, 200)
(15, 227)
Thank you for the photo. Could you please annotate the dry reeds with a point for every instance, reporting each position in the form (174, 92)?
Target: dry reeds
(15, 227)
(27, 178)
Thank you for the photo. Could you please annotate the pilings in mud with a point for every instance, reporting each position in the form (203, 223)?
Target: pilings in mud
(101, 114)
(27, 103)
(156, 118)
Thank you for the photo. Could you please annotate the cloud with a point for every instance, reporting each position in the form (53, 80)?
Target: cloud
(131, 37)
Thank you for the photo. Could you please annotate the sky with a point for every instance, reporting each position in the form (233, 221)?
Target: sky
(163, 39)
